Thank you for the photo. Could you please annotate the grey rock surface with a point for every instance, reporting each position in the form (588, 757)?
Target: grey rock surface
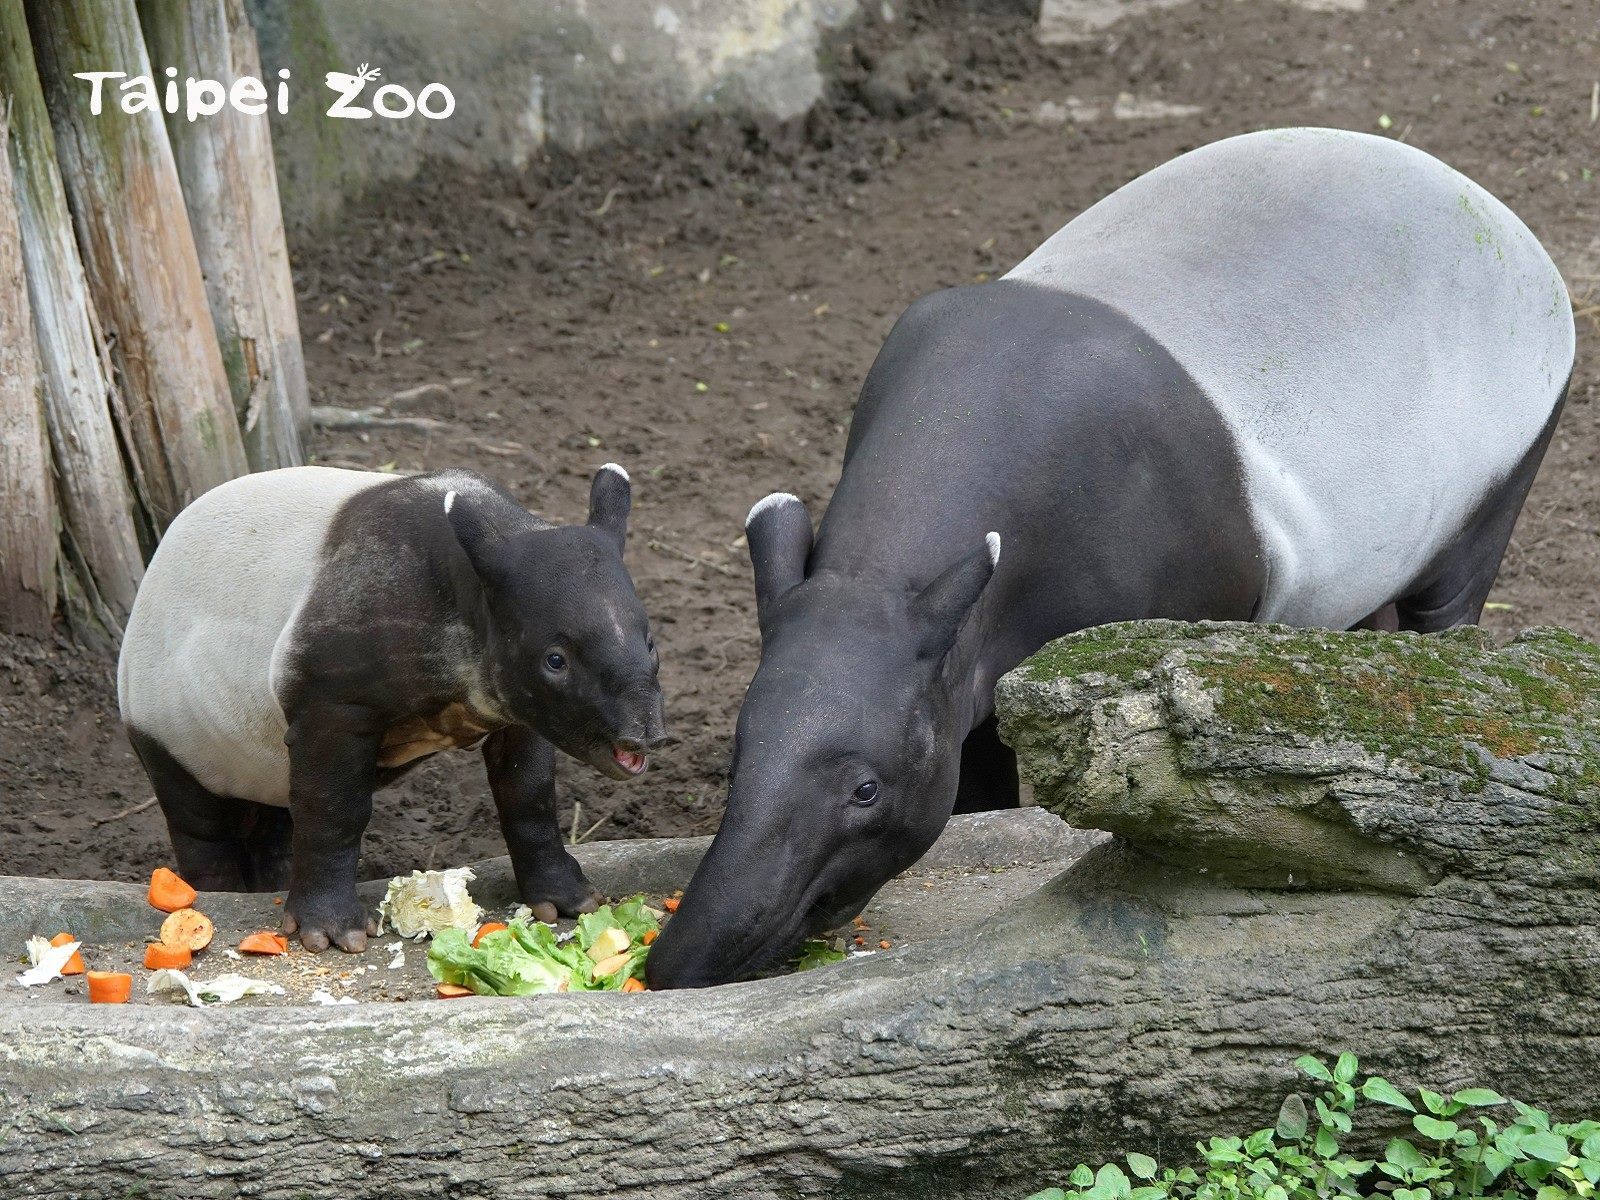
(1155, 991)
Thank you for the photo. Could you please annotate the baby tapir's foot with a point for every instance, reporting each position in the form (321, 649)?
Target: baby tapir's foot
(324, 921)
(558, 888)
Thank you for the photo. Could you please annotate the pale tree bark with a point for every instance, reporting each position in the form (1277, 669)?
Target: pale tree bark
(27, 509)
(97, 506)
(143, 269)
(225, 164)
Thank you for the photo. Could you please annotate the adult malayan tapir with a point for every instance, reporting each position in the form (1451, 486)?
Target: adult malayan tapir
(305, 635)
(1302, 376)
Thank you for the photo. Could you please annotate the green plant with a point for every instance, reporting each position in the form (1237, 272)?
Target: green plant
(1459, 1154)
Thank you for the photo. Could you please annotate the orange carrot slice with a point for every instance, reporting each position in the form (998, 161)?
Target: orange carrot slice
(75, 963)
(452, 991)
(265, 942)
(634, 985)
(169, 892)
(188, 927)
(670, 904)
(159, 956)
(109, 987)
(650, 935)
(486, 929)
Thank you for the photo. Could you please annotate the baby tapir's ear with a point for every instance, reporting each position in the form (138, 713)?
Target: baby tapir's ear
(778, 531)
(610, 498)
(477, 534)
(941, 607)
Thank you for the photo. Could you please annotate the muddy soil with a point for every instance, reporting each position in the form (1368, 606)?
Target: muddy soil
(702, 309)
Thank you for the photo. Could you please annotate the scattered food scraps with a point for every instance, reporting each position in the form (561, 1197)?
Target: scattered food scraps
(323, 996)
(817, 952)
(670, 904)
(605, 950)
(161, 956)
(264, 942)
(430, 902)
(45, 961)
(224, 989)
(485, 929)
(397, 956)
(75, 963)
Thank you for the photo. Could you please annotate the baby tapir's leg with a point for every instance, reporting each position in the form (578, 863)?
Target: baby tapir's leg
(333, 764)
(206, 829)
(522, 774)
(267, 847)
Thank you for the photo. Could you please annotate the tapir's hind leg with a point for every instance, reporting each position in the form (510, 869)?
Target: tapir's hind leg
(205, 828)
(988, 772)
(1455, 587)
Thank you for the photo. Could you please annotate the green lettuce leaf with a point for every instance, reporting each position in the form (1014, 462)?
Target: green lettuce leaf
(524, 958)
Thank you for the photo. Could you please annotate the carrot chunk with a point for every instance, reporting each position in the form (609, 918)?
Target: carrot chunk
(650, 935)
(110, 987)
(169, 892)
(188, 927)
(634, 985)
(159, 956)
(486, 929)
(75, 963)
(670, 904)
(452, 991)
(265, 942)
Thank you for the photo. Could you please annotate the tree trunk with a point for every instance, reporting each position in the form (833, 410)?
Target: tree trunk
(27, 504)
(225, 164)
(140, 255)
(1154, 993)
(97, 506)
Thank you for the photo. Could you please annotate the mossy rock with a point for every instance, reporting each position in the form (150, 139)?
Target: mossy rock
(1288, 757)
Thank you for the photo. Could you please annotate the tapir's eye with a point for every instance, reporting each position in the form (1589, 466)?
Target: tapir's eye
(867, 793)
(556, 660)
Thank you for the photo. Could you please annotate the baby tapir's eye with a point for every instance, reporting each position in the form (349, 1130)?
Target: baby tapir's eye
(556, 660)
(866, 793)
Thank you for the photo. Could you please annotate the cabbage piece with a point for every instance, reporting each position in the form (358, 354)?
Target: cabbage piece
(224, 989)
(430, 902)
(46, 961)
(817, 952)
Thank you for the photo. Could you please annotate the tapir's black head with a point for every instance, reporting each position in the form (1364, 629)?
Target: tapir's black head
(845, 760)
(569, 645)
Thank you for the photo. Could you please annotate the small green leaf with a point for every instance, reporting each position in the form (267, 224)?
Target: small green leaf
(1049, 1194)
(1142, 1166)
(1082, 1176)
(1382, 1091)
(1478, 1097)
(1111, 1179)
(1325, 1145)
(1314, 1068)
(1345, 1069)
(1404, 1155)
(1432, 1101)
(1439, 1131)
(1292, 1119)
(1545, 1146)
(1148, 1193)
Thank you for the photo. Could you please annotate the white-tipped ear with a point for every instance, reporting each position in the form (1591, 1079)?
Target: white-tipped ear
(941, 607)
(610, 500)
(778, 531)
(449, 499)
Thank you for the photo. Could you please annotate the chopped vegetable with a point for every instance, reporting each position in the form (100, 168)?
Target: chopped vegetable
(883, 944)
(528, 957)
(429, 902)
(188, 927)
(265, 942)
(74, 964)
(45, 961)
(670, 904)
(169, 892)
(650, 936)
(634, 985)
(452, 991)
(817, 952)
(224, 989)
(160, 956)
(110, 987)
(486, 929)
(324, 996)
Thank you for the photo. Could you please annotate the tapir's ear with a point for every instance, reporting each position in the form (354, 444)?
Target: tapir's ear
(610, 498)
(778, 530)
(941, 607)
(478, 535)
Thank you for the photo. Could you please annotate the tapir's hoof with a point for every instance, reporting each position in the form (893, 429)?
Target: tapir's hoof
(560, 890)
(321, 929)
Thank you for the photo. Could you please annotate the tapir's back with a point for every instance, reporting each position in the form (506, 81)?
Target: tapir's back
(195, 670)
(1385, 340)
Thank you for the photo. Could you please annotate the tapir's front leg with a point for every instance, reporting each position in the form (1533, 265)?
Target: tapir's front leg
(522, 776)
(333, 756)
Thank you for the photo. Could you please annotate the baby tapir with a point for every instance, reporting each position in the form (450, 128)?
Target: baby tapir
(305, 635)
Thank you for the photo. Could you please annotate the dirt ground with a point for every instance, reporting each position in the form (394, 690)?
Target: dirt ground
(702, 309)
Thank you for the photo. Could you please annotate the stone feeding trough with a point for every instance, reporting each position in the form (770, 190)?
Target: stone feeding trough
(1386, 844)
